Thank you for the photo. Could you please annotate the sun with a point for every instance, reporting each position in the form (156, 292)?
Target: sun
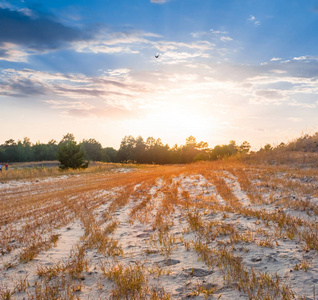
(180, 123)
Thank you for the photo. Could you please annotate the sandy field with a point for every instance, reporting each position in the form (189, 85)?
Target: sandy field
(201, 231)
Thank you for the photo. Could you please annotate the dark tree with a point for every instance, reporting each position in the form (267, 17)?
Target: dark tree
(93, 149)
(70, 155)
(245, 147)
(40, 151)
(11, 151)
(126, 150)
(193, 151)
(109, 154)
(52, 149)
(139, 150)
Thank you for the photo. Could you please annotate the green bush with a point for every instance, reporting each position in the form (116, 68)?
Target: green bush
(70, 155)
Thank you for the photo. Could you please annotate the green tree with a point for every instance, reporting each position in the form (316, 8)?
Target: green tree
(70, 155)
(11, 151)
(52, 149)
(93, 149)
(67, 138)
(139, 150)
(109, 154)
(40, 151)
(126, 150)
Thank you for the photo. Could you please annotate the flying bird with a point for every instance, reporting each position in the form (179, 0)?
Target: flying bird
(157, 55)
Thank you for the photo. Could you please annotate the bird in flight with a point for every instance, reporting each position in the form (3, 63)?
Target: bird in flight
(157, 55)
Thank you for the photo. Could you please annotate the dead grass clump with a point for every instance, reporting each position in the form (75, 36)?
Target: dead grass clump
(130, 281)
(77, 262)
(49, 272)
(58, 288)
(5, 292)
(33, 249)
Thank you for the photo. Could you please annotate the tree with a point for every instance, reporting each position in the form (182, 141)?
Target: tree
(268, 147)
(11, 151)
(109, 154)
(139, 150)
(52, 149)
(126, 150)
(194, 151)
(40, 151)
(67, 138)
(70, 155)
(245, 147)
(150, 143)
(93, 149)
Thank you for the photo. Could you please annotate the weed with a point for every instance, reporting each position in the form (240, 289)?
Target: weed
(21, 284)
(130, 281)
(5, 293)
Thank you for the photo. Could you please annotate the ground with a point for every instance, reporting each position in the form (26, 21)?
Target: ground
(222, 230)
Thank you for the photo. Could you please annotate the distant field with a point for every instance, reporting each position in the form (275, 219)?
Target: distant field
(38, 164)
(42, 164)
(35, 170)
(214, 230)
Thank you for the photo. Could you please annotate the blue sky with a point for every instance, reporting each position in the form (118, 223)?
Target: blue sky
(227, 70)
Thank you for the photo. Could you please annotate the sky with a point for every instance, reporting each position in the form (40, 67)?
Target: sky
(243, 70)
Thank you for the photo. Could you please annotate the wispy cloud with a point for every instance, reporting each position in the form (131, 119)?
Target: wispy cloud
(81, 109)
(13, 53)
(116, 42)
(213, 34)
(218, 31)
(170, 45)
(226, 39)
(66, 104)
(254, 20)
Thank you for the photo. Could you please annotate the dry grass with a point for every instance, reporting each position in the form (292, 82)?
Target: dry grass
(180, 212)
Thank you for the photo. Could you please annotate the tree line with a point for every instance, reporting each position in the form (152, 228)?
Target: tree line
(131, 150)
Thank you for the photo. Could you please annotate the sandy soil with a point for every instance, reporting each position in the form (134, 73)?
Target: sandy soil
(171, 262)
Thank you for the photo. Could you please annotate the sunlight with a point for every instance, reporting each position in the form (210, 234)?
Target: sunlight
(180, 123)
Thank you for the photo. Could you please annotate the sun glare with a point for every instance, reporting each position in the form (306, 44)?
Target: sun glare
(178, 124)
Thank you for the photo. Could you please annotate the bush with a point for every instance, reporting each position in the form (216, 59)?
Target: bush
(70, 155)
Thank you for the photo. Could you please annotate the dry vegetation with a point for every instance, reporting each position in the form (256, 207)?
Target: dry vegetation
(214, 230)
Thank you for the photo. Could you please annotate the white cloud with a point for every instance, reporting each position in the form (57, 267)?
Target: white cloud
(278, 71)
(226, 39)
(275, 59)
(181, 56)
(27, 12)
(301, 58)
(254, 20)
(98, 47)
(168, 45)
(117, 72)
(13, 53)
(218, 31)
(115, 42)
